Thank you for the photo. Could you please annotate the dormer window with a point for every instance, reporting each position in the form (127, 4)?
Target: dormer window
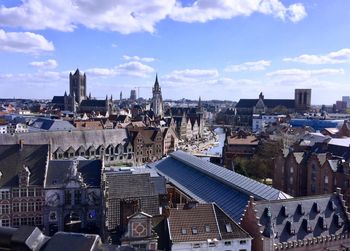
(331, 205)
(301, 209)
(228, 228)
(183, 231)
(194, 230)
(307, 226)
(338, 220)
(316, 207)
(289, 228)
(207, 228)
(322, 223)
(284, 211)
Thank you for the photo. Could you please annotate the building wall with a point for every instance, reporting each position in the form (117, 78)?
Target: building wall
(220, 245)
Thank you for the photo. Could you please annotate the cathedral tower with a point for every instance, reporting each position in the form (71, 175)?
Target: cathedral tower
(157, 100)
(77, 86)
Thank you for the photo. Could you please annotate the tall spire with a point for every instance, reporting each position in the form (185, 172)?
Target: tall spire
(199, 102)
(156, 84)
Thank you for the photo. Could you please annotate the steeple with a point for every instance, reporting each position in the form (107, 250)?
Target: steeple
(121, 96)
(90, 95)
(156, 84)
(199, 102)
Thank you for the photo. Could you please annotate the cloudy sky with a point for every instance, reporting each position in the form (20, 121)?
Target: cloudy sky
(216, 49)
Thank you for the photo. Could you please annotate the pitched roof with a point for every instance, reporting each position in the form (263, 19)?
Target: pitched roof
(58, 171)
(65, 139)
(207, 182)
(200, 222)
(270, 103)
(58, 99)
(248, 140)
(275, 216)
(47, 124)
(13, 158)
(93, 103)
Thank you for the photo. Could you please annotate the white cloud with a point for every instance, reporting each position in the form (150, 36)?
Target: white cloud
(24, 42)
(135, 15)
(133, 68)
(38, 77)
(137, 58)
(48, 64)
(260, 65)
(299, 73)
(65, 15)
(206, 10)
(183, 77)
(336, 57)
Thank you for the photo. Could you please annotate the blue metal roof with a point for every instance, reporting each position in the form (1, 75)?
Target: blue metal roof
(317, 124)
(207, 182)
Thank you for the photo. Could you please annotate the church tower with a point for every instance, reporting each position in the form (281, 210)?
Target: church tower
(157, 100)
(77, 86)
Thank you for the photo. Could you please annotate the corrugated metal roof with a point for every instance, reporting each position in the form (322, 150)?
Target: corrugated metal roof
(207, 182)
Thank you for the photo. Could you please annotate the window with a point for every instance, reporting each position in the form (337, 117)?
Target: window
(5, 195)
(326, 179)
(23, 206)
(15, 222)
(53, 216)
(194, 230)
(242, 242)
(183, 231)
(5, 209)
(227, 243)
(212, 244)
(38, 192)
(77, 197)
(5, 222)
(31, 221)
(30, 206)
(291, 169)
(24, 221)
(38, 205)
(31, 192)
(228, 228)
(207, 228)
(196, 245)
(38, 221)
(15, 192)
(23, 192)
(68, 198)
(15, 207)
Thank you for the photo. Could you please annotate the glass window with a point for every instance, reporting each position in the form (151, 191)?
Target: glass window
(24, 221)
(77, 197)
(30, 206)
(194, 230)
(5, 195)
(38, 221)
(68, 198)
(53, 216)
(23, 206)
(23, 192)
(38, 192)
(207, 228)
(242, 242)
(5, 222)
(15, 207)
(38, 204)
(227, 243)
(15, 222)
(228, 228)
(183, 231)
(15, 192)
(31, 192)
(5, 209)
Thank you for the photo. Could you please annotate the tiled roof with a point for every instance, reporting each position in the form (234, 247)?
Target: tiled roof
(12, 159)
(58, 100)
(207, 182)
(248, 140)
(58, 171)
(270, 103)
(200, 222)
(319, 213)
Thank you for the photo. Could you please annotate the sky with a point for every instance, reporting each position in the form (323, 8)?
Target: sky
(216, 49)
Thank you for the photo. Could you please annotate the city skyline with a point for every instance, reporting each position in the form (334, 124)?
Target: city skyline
(217, 50)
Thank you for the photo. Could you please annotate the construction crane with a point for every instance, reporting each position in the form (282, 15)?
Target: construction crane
(141, 87)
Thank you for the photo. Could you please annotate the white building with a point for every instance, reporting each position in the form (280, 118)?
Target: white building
(202, 227)
(260, 121)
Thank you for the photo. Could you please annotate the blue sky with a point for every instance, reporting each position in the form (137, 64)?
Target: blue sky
(224, 49)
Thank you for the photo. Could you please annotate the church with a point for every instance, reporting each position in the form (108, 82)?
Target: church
(78, 101)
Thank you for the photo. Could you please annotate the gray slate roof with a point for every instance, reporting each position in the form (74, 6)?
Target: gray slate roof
(58, 171)
(65, 139)
(270, 213)
(12, 159)
(46, 124)
(207, 182)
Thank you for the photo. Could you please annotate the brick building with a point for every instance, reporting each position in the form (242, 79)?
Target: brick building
(22, 170)
(313, 168)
